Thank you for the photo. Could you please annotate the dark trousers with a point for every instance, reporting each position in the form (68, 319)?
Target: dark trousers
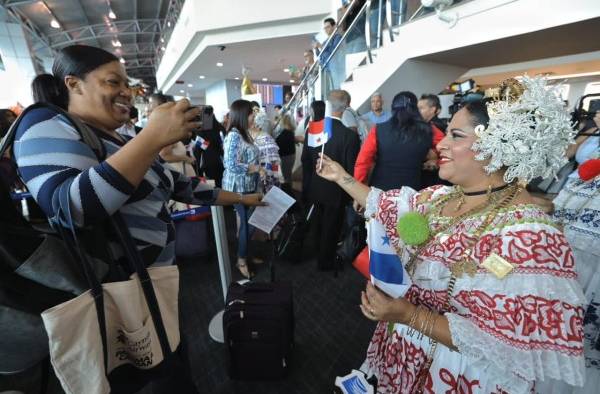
(327, 227)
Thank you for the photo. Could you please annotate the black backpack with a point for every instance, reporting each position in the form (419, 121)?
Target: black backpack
(37, 269)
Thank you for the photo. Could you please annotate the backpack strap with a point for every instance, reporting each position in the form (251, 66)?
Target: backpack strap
(87, 135)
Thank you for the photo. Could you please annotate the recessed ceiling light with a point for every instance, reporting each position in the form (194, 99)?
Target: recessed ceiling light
(286, 70)
(54, 23)
(182, 91)
(122, 60)
(237, 78)
(162, 39)
(265, 79)
(292, 81)
(169, 24)
(190, 85)
(202, 77)
(219, 64)
(163, 48)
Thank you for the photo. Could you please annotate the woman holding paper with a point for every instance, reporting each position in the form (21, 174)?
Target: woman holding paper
(494, 305)
(242, 171)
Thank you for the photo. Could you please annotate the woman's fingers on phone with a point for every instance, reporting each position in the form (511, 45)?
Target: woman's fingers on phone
(192, 113)
(192, 125)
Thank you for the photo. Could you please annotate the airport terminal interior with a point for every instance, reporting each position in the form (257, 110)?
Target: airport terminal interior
(297, 197)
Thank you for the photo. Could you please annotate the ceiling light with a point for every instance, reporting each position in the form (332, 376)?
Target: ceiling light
(116, 43)
(54, 23)
(237, 78)
(169, 24)
(202, 77)
(219, 64)
(111, 14)
(292, 81)
(182, 91)
(162, 39)
(122, 60)
(286, 70)
(163, 48)
(265, 79)
(190, 85)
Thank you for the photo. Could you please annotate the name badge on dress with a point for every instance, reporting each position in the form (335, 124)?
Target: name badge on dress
(497, 265)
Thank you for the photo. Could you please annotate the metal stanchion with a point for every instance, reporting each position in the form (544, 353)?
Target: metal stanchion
(215, 328)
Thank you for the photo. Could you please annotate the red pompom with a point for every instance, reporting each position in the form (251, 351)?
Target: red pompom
(589, 170)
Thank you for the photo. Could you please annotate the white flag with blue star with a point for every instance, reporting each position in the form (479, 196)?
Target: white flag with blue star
(386, 268)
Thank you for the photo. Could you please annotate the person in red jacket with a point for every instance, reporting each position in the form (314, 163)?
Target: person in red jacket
(396, 150)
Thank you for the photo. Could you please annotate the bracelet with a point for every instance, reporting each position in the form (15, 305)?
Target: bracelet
(424, 324)
(412, 321)
(429, 326)
(430, 332)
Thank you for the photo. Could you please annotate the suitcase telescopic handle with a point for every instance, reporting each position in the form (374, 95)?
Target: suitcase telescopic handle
(259, 288)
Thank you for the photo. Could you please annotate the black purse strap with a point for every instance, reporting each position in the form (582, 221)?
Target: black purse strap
(135, 259)
(76, 249)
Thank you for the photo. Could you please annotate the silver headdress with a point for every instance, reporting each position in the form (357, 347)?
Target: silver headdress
(528, 133)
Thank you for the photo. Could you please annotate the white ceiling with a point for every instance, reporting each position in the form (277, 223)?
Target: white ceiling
(265, 59)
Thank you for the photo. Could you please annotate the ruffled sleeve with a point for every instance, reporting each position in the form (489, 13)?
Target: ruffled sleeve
(388, 206)
(527, 327)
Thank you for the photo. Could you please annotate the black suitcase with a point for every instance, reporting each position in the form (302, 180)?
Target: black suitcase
(259, 330)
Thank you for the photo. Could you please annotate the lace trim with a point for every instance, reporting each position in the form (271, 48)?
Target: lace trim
(512, 369)
(372, 203)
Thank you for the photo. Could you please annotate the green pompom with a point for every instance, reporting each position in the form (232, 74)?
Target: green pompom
(413, 228)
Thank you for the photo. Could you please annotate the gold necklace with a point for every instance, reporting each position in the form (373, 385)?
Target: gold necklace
(435, 210)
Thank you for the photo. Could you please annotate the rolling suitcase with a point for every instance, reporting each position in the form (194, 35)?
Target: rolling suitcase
(258, 324)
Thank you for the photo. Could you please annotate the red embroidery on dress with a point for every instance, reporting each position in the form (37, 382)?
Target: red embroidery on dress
(527, 322)
(460, 385)
(395, 360)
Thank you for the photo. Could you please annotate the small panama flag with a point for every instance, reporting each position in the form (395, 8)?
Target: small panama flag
(202, 143)
(385, 266)
(320, 132)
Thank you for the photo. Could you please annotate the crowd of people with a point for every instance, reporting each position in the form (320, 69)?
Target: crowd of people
(503, 295)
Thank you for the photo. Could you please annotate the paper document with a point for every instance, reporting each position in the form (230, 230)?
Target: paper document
(265, 218)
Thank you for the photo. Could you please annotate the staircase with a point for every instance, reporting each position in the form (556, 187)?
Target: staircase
(425, 53)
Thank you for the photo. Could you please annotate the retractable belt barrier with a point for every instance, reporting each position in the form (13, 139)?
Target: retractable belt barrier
(175, 216)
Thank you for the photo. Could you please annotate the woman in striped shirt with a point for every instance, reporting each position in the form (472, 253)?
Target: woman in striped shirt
(92, 85)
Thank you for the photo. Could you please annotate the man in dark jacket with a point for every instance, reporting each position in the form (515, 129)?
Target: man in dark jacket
(328, 198)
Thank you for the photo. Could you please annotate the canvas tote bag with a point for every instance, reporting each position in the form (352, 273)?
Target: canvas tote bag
(115, 337)
(75, 341)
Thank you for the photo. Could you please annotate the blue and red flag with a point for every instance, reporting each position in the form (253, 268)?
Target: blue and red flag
(320, 132)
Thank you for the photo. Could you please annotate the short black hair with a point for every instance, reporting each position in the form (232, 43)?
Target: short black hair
(254, 104)
(278, 106)
(433, 99)
(318, 108)
(331, 21)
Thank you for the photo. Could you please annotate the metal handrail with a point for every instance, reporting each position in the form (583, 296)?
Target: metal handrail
(343, 38)
(316, 68)
(315, 65)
